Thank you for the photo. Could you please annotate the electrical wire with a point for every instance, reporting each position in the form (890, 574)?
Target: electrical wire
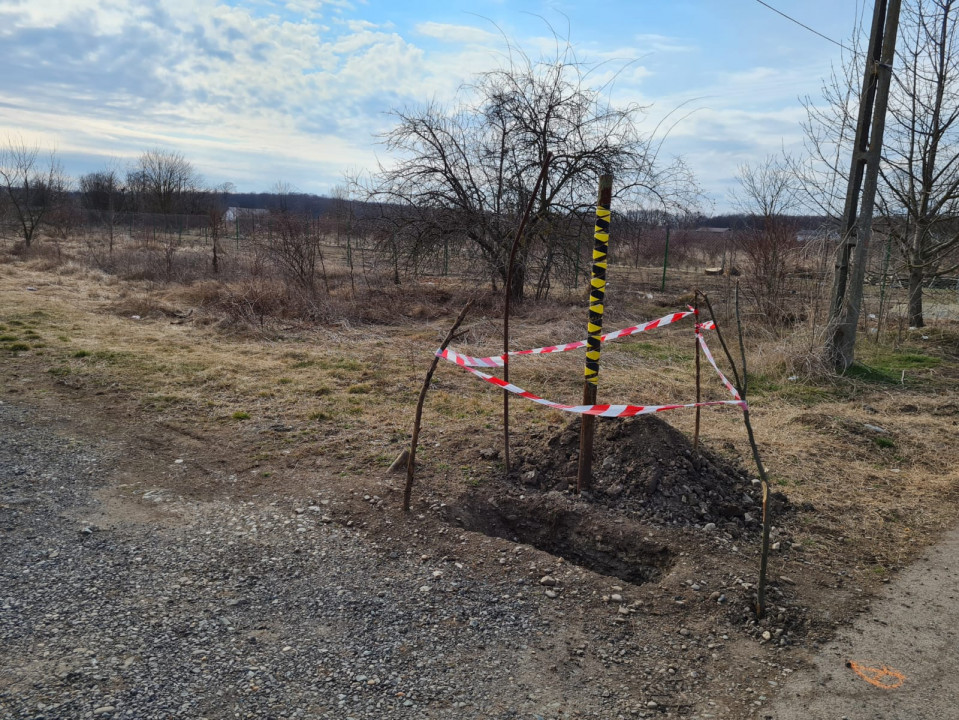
(802, 25)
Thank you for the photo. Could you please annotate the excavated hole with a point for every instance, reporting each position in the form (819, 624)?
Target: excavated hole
(570, 529)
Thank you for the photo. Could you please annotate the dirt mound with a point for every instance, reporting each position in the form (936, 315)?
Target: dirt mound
(645, 466)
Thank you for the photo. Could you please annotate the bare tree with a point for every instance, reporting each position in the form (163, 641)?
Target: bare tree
(293, 242)
(768, 192)
(32, 189)
(768, 188)
(163, 181)
(466, 172)
(216, 217)
(102, 193)
(920, 192)
(343, 217)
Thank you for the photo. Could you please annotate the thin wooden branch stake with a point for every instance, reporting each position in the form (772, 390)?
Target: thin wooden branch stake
(699, 394)
(742, 386)
(411, 461)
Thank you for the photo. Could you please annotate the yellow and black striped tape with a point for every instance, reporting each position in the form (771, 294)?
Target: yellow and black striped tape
(597, 294)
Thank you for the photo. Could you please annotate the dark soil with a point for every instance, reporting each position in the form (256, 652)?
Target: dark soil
(648, 469)
(647, 477)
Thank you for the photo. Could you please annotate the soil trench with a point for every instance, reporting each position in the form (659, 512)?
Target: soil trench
(570, 529)
(645, 472)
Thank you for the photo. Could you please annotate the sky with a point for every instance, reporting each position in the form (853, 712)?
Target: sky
(257, 92)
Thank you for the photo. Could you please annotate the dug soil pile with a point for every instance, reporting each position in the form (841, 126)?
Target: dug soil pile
(649, 469)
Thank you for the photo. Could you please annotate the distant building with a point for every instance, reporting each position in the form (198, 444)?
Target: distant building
(704, 229)
(252, 214)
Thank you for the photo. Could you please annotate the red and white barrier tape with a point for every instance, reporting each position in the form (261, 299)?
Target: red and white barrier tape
(469, 363)
(599, 410)
(499, 360)
(712, 361)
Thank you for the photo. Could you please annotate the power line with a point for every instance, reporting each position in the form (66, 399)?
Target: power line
(802, 25)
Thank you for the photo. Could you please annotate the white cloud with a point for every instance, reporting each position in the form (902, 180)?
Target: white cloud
(646, 42)
(459, 34)
(304, 85)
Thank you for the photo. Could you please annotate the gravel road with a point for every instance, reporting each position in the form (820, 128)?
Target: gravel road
(121, 599)
(216, 610)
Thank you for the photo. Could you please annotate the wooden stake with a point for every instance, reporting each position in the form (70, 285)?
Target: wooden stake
(742, 386)
(597, 302)
(696, 349)
(411, 462)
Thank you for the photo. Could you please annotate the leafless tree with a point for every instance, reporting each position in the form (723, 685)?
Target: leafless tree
(163, 181)
(768, 188)
(31, 188)
(466, 172)
(216, 211)
(293, 243)
(344, 221)
(918, 194)
(102, 193)
(767, 193)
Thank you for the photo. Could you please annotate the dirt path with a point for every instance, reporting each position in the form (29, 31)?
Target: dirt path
(912, 631)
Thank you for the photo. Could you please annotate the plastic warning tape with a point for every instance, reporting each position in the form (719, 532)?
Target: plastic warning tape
(500, 360)
(597, 294)
(469, 363)
(598, 410)
(709, 356)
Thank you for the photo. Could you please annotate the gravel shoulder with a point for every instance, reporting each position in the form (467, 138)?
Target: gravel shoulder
(122, 595)
(153, 606)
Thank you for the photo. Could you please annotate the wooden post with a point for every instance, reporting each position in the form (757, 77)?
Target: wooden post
(698, 370)
(597, 302)
(742, 385)
(662, 285)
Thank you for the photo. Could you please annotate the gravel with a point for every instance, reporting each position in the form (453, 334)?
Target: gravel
(121, 598)
(229, 609)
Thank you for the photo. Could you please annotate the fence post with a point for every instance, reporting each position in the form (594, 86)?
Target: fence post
(696, 349)
(662, 286)
(597, 301)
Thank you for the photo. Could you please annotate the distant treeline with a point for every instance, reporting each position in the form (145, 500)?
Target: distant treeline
(319, 205)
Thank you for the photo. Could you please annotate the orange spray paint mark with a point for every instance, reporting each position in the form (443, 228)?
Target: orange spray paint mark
(885, 677)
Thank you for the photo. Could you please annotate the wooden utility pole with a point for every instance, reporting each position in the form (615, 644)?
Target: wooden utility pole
(846, 301)
(597, 303)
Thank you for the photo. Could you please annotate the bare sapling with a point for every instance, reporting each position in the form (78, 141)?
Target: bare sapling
(508, 290)
(742, 385)
(411, 460)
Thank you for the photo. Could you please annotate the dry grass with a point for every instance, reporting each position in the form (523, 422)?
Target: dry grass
(338, 392)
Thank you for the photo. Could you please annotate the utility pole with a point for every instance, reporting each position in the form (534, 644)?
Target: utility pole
(846, 302)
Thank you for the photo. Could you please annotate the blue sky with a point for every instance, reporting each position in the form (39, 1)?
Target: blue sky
(259, 91)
